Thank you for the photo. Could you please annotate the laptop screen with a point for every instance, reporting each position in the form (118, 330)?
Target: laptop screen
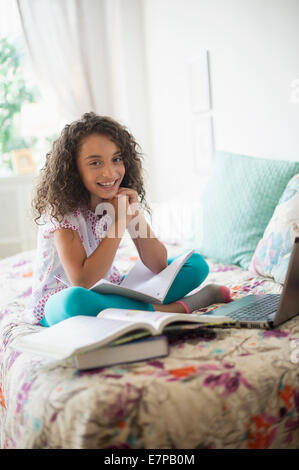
(289, 302)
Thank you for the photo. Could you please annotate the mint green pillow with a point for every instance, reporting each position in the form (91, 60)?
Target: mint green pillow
(238, 204)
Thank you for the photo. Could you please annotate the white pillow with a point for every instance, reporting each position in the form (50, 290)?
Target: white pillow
(272, 254)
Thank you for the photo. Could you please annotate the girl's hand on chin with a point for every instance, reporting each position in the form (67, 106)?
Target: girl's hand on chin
(131, 193)
(121, 207)
(133, 208)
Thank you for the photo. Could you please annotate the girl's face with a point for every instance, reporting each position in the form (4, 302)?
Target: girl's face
(100, 167)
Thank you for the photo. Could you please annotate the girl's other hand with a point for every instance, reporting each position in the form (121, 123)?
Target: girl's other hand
(122, 209)
(134, 209)
(125, 204)
(131, 193)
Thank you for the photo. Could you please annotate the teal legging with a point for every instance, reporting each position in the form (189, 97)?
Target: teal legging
(80, 301)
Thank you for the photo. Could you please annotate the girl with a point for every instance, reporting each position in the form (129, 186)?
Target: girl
(94, 161)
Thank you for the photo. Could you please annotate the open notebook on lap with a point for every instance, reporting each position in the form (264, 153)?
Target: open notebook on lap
(269, 310)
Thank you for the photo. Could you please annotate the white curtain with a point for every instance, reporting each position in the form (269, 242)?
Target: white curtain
(76, 50)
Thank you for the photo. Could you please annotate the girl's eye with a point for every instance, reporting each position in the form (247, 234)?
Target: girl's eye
(116, 159)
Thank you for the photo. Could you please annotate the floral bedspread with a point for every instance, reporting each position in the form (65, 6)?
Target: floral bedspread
(219, 388)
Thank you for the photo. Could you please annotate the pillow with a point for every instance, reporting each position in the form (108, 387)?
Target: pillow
(271, 257)
(237, 205)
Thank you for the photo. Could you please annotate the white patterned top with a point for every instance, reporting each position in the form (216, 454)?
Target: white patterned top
(49, 274)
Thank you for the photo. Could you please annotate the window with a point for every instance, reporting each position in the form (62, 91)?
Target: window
(28, 122)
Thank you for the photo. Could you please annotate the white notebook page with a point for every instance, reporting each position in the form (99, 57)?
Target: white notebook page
(142, 279)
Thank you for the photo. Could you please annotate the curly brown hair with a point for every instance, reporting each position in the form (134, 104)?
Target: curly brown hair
(59, 188)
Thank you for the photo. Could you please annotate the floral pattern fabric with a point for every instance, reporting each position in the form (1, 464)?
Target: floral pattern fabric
(272, 255)
(218, 388)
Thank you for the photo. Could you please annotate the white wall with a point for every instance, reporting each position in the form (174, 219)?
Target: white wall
(136, 85)
(254, 60)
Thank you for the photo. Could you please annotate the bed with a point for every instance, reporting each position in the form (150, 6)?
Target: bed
(218, 388)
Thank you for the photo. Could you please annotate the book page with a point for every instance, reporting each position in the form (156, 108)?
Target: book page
(104, 287)
(143, 280)
(153, 318)
(158, 320)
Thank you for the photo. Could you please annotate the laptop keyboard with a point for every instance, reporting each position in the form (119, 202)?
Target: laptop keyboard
(264, 306)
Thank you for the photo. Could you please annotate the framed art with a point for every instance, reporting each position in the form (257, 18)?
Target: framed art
(200, 82)
(23, 161)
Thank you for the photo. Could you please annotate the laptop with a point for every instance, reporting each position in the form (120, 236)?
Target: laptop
(264, 311)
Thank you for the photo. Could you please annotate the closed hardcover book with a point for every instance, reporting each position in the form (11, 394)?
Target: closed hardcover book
(135, 351)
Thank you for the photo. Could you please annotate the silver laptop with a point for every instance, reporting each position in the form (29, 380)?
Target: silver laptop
(269, 310)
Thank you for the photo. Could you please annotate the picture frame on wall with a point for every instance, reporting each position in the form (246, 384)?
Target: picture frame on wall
(23, 162)
(200, 90)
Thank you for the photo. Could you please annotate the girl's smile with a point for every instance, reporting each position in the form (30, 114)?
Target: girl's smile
(101, 167)
(108, 186)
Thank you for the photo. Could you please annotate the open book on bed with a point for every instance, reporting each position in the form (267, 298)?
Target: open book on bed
(142, 284)
(84, 336)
